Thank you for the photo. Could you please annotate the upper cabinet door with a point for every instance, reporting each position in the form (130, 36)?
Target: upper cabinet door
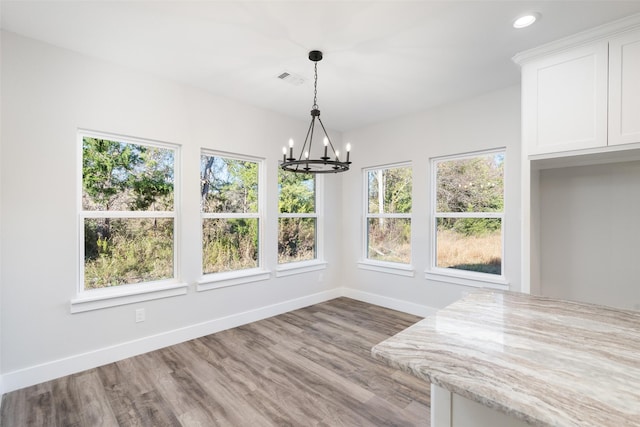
(624, 89)
(564, 105)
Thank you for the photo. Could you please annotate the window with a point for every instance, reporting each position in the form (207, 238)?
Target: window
(298, 217)
(388, 214)
(468, 215)
(127, 214)
(231, 213)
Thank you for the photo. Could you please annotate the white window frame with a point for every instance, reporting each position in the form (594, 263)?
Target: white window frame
(365, 263)
(94, 299)
(238, 277)
(319, 263)
(463, 277)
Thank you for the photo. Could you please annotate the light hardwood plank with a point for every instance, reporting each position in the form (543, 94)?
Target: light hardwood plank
(309, 367)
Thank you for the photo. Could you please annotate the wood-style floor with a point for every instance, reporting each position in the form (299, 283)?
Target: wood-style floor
(309, 367)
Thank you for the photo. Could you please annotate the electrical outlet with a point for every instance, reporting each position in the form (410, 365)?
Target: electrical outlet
(320, 277)
(140, 315)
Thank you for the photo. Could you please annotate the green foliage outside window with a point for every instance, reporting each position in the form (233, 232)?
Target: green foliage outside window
(297, 192)
(296, 236)
(120, 176)
(138, 250)
(389, 192)
(126, 177)
(229, 244)
(229, 186)
(472, 186)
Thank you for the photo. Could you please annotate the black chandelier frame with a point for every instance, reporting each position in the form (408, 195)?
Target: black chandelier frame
(325, 163)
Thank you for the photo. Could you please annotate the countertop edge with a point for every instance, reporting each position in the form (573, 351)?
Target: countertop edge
(459, 390)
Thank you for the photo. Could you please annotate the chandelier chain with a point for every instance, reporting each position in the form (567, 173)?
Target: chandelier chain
(315, 87)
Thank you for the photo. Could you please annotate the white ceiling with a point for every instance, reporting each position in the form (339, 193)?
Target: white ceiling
(381, 58)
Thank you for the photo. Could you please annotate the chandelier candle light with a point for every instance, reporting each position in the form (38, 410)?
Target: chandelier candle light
(325, 163)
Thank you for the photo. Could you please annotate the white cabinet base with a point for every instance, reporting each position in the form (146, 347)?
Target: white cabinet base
(451, 410)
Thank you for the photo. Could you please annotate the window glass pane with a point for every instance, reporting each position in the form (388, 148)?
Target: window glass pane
(120, 176)
(389, 239)
(472, 244)
(471, 184)
(389, 190)
(228, 185)
(120, 251)
(297, 192)
(229, 244)
(296, 239)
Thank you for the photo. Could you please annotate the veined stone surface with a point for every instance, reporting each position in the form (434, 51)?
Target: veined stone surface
(548, 362)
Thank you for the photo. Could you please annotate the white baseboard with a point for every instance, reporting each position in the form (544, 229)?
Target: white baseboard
(47, 371)
(387, 302)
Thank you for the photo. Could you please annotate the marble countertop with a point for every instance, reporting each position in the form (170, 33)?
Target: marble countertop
(544, 361)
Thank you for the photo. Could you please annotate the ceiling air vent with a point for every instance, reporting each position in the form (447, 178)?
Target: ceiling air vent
(291, 78)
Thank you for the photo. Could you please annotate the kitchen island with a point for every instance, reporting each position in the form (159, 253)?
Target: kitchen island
(508, 359)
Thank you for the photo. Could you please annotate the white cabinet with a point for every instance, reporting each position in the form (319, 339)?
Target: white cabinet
(580, 106)
(582, 97)
(452, 410)
(565, 100)
(624, 89)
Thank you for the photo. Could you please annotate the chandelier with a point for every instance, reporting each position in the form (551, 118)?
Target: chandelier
(330, 161)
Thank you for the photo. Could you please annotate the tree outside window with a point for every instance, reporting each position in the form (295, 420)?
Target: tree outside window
(230, 213)
(297, 218)
(469, 212)
(388, 214)
(127, 212)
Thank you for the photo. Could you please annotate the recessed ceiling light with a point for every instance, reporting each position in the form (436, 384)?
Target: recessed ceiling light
(526, 20)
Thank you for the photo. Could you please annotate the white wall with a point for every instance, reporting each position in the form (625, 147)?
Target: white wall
(1, 380)
(485, 122)
(590, 233)
(47, 94)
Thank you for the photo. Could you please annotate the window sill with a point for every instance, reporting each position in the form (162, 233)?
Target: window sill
(291, 268)
(97, 299)
(388, 267)
(477, 280)
(232, 278)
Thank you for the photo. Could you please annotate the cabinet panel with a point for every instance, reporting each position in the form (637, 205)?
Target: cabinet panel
(565, 101)
(452, 410)
(624, 89)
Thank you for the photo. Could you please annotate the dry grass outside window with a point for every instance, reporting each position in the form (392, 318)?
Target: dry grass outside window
(481, 253)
